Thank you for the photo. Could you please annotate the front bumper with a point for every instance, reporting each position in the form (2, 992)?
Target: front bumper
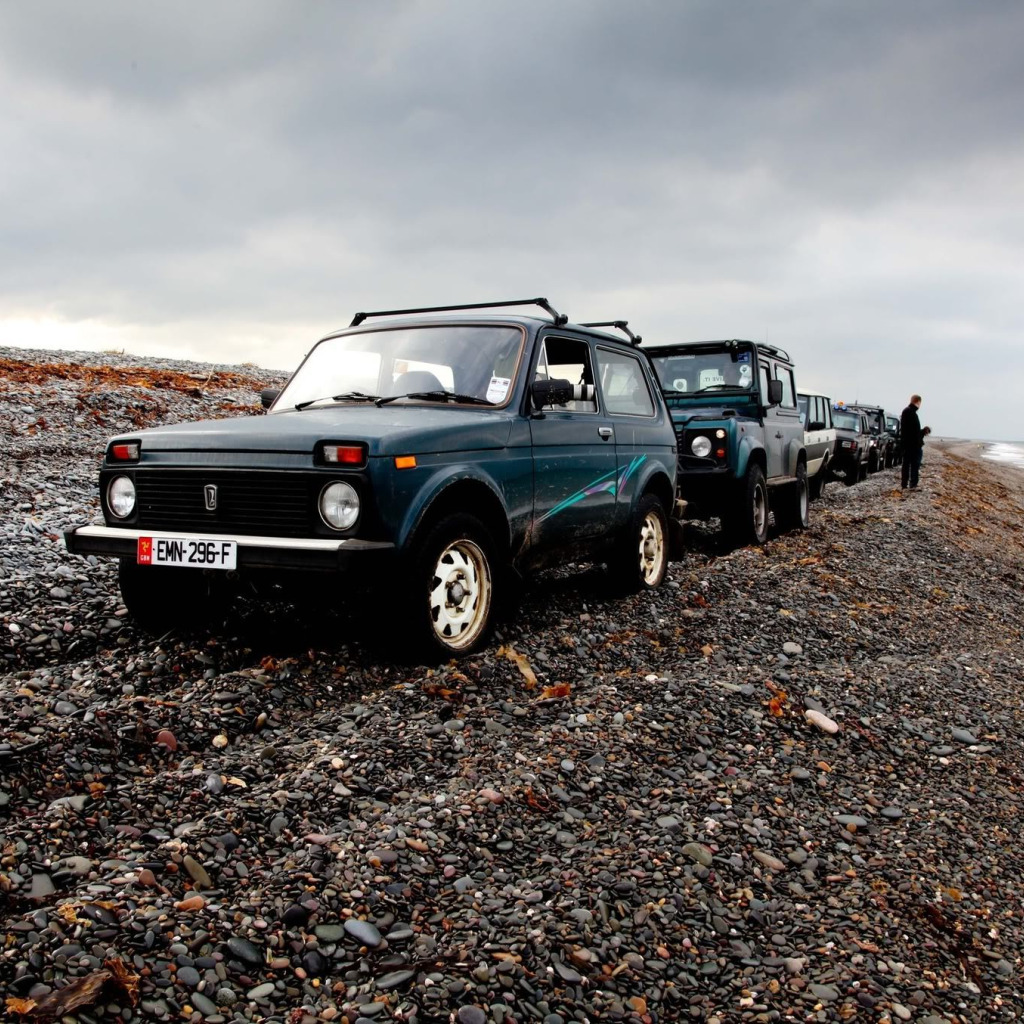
(323, 554)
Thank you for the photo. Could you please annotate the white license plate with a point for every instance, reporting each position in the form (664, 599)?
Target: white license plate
(195, 552)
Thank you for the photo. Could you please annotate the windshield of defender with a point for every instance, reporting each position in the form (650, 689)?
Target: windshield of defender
(477, 361)
(846, 420)
(705, 370)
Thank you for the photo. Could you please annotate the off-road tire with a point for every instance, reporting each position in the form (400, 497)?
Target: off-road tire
(816, 484)
(794, 502)
(450, 597)
(747, 519)
(641, 559)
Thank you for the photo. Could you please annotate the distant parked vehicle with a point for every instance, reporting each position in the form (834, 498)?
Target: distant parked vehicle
(819, 437)
(853, 444)
(878, 446)
(892, 427)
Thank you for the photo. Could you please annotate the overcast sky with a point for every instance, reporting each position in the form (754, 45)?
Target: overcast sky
(230, 181)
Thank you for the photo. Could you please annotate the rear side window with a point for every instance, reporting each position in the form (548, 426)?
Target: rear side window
(624, 384)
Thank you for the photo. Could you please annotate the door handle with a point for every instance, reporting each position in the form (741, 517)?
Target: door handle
(779, 434)
(604, 432)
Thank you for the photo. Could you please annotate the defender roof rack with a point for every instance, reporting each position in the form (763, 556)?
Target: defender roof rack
(775, 350)
(634, 339)
(559, 318)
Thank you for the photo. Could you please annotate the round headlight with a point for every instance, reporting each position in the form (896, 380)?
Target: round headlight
(339, 505)
(701, 446)
(121, 497)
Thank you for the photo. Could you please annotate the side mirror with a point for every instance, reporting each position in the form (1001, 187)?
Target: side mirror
(774, 392)
(817, 425)
(559, 392)
(268, 396)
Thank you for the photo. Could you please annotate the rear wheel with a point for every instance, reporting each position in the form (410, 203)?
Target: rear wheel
(162, 598)
(816, 484)
(747, 520)
(795, 504)
(642, 558)
(451, 596)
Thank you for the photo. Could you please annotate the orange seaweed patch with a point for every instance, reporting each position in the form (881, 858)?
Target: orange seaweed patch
(20, 372)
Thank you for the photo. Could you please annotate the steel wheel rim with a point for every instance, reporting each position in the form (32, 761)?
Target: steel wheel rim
(460, 594)
(760, 510)
(804, 501)
(652, 548)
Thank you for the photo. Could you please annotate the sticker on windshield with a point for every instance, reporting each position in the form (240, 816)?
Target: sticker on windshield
(709, 378)
(743, 357)
(679, 384)
(498, 389)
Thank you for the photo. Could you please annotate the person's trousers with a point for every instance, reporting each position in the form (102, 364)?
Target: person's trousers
(911, 467)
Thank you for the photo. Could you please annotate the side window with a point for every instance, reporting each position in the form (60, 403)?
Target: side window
(624, 384)
(785, 374)
(819, 412)
(567, 359)
(762, 376)
(828, 416)
(807, 410)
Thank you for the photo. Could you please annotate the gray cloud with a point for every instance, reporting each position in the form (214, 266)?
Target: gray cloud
(235, 179)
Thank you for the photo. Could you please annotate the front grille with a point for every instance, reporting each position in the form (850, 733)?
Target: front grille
(278, 504)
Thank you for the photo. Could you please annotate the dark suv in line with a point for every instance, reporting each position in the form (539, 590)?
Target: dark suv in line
(853, 444)
(879, 454)
(741, 439)
(429, 457)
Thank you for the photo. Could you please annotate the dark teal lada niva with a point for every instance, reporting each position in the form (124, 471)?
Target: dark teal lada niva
(433, 453)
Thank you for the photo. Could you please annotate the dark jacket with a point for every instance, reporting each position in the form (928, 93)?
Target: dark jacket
(910, 429)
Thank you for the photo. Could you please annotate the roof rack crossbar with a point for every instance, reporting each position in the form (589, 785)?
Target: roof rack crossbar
(559, 318)
(634, 339)
(780, 352)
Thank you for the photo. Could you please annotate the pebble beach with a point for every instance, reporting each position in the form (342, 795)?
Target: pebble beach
(787, 786)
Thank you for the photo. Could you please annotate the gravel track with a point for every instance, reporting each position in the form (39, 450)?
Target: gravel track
(619, 811)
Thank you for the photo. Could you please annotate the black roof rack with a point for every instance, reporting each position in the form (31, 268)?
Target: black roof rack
(634, 339)
(775, 350)
(559, 318)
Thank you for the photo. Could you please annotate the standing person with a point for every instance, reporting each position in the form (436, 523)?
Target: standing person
(913, 443)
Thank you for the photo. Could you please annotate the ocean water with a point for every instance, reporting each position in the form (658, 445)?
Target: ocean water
(1009, 454)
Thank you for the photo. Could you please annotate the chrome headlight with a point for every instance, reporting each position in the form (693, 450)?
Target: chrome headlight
(121, 497)
(339, 505)
(701, 446)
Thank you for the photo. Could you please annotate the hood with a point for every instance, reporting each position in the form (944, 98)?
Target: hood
(387, 430)
(704, 410)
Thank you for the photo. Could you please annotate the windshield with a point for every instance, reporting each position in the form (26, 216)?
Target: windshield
(476, 362)
(846, 420)
(687, 373)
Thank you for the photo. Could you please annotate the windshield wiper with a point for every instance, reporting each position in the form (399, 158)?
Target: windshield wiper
(442, 395)
(721, 387)
(348, 396)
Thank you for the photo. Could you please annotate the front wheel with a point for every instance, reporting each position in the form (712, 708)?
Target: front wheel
(747, 520)
(642, 558)
(795, 510)
(452, 588)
